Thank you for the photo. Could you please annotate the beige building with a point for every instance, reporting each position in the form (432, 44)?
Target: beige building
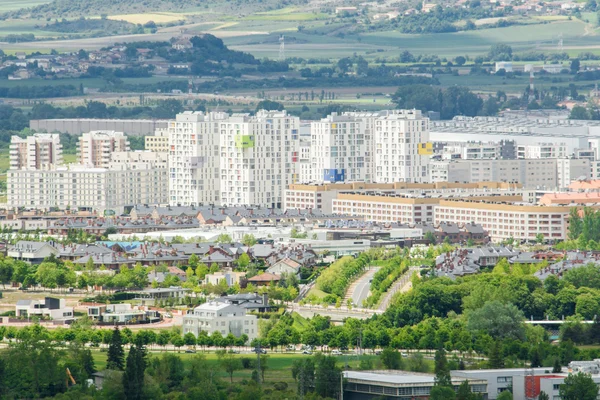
(159, 142)
(95, 148)
(36, 151)
(224, 318)
(320, 197)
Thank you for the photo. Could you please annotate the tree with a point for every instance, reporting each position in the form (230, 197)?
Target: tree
(495, 357)
(578, 386)
(133, 378)
(543, 396)
(243, 261)
(224, 238)
(499, 320)
(327, 376)
(303, 372)
(575, 65)
(442, 393)
(115, 351)
(430, 237)
(391, 359)
(230, 364)
(249, 240)
(464, 392)
(556, 367)
(460, 60)
(500, 52)
(193, 261)
(579, 112)
(442, 371)
(264, 365)
(506, 395)
(539, 238)
(269, 106)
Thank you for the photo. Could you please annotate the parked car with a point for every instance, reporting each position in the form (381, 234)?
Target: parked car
(190, 351)
(306, 352)
(290, 347)
(336, 353)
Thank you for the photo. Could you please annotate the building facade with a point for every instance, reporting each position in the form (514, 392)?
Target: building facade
(36, 151)
(224, 318)
(95, 148)
(159, 142)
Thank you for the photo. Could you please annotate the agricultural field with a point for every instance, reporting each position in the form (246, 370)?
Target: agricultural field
(159, 18)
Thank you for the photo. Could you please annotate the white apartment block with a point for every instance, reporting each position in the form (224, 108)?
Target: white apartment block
(76, 186)
(194, 158)
(138, 159)
(402, 147)
(301, 155)
(542, 150)
(532, 173)
(224, 318)
(338, 149)
(36, 151)
(570, 169)
(256, 157)
(472, 151)
(94, 148)
(159, 142)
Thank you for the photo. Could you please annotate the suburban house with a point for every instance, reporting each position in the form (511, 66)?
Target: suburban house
(222, 317)
(285, 266)
(33, 252)
(149, 297)
(119, 314)
(264, 279)
(230, 277)
(50, 307)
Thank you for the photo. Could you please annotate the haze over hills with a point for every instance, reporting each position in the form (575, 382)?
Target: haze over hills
(77, 8)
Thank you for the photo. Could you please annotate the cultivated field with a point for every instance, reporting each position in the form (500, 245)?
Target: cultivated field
(159, 18)
(11, 5)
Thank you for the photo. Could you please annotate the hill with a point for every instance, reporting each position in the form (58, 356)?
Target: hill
(77, 8)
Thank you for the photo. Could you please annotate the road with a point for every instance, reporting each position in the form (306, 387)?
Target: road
(363, 287)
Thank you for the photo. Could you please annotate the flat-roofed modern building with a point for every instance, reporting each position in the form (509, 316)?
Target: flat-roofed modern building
(222, 317)
(366, 385)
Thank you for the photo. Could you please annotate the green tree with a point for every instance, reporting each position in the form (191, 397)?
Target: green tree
(133, 378)
(243, 261)
(495, 356)
(506, 395)
(578, 386)
(442, 393)
(498, 320)
(543, 396)
(464, 392)
(230, 364)
(556, 367)
(430, 237)
(303, 372)
(327, 376)
(442, 371)
(193, 261)
(391, 359)
(249, 240)
(115, 351)
(224, 238)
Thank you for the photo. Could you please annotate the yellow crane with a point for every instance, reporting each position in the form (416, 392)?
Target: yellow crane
(70, 378)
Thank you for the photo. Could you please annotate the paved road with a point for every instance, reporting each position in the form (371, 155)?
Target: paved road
(362, 288)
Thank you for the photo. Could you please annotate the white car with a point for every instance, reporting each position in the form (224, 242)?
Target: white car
(336, 353)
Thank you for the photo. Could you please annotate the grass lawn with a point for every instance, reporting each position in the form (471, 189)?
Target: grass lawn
(319, 293)
(159, 18)
(279, 364)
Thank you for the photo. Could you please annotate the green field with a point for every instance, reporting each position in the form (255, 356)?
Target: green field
(279, 364)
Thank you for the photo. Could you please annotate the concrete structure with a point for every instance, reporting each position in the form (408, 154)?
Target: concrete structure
(222, 317)
(37, 151)
(78, 126)
(95, 148)
(159, 142)
(194, 158)
(532, 173)
(338, 148)
(50, 307)
(507, 66)
(117, 314)
(365, 385)
(500, 380)
(320, 197)
(75, 186)
(256, 157)
(542, 150)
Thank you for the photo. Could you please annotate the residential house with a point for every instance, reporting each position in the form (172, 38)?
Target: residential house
(119, 314)
(264, 279)
(33, 252)
(50, 307)
(230, 277)
(222, 317)
(285, 266)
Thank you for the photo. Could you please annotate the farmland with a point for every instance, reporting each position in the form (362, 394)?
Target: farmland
(11, 5)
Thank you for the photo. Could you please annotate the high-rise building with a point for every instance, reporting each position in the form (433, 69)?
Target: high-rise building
(94, 148)
(36, 151)
(159, 142)
(338, 149)
(256, 156)
(402, 147)
(194, 158)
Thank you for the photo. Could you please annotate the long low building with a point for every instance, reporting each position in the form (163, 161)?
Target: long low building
(366, 385)
(319, 197)
(77, 126)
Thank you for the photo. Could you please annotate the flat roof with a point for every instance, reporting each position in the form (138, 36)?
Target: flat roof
(402, 378)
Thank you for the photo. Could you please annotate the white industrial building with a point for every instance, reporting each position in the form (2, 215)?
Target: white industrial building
(224, 318)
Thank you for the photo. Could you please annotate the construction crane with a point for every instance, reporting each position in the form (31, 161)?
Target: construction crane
(70, 378)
